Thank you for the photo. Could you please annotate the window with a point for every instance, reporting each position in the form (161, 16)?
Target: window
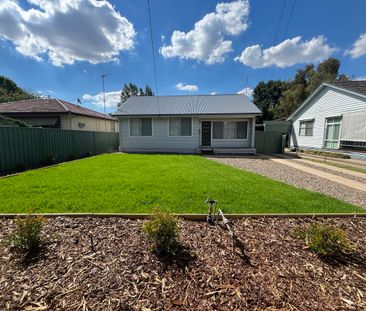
(180, 127)
(306, 128)
(332, 132)
(141, 127)
(230, 130)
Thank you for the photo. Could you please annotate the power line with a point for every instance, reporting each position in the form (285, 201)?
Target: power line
(288, 23)
(290, 17)
(152, 48)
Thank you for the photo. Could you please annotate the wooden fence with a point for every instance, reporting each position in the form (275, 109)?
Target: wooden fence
(30, 147)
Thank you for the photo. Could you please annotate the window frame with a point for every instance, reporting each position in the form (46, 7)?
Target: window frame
(229, 139)
(152, 127)
(180, 135)
(312, 121)
(332, 122)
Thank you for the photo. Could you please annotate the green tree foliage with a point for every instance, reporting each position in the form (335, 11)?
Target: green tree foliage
(266, 96)
(131, 89)
(9, 91)
(278, 99)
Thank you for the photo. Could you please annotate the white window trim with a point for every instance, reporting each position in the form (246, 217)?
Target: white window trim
(135, 136)
(325, 131)
(306, 120)
(180, 135)
(229, 139)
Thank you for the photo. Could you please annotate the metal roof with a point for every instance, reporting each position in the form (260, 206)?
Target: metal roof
(49, 106)
(187, 105)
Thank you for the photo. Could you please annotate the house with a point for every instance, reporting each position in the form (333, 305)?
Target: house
(333, 117)
(188, 124)
(57, 113)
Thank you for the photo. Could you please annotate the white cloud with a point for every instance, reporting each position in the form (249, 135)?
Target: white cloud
(111, 99)
(187, 87)
(206, 42)
(246, 91)
(359, 47)
(287, 53)
(66, 30)
(213, 93)
(360, 78)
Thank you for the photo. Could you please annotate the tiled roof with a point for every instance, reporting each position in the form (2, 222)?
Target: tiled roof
(187, 105)
(41, 105)
(354, 86)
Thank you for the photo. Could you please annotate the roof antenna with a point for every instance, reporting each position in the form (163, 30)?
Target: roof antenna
(105, 116)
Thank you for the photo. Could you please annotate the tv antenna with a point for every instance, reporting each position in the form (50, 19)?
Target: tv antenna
(105, 116)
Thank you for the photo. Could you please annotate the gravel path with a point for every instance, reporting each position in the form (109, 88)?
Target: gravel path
(295, 177)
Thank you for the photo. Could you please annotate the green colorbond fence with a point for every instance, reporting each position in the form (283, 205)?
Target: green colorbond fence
(268, 142)
(31, 147)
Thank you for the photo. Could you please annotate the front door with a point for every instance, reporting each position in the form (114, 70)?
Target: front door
(206, 133)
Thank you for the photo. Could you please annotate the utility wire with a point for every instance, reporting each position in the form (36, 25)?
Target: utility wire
(276, 33)
(290, 17)
(288, 24)
(153, 55)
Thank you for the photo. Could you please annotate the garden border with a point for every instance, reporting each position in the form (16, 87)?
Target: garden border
(194, 217)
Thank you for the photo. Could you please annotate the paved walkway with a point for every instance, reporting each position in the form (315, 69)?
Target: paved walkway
(334, 168)
(338, 179)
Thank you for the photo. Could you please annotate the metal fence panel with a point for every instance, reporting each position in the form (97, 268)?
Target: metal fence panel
(33, 146)
(268, 142)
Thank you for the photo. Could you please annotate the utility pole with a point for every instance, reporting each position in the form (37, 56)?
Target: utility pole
(105, 116)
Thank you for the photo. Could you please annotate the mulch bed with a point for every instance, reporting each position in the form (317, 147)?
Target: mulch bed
(269, 269)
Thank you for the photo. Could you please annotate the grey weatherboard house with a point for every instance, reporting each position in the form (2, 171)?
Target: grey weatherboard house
(188, 124)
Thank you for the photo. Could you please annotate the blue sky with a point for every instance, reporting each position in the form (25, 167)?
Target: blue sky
(62, 47)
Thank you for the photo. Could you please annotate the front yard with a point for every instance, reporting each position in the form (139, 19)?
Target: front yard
(121, 183)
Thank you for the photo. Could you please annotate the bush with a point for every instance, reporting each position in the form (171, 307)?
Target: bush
(162, 229)
(324, 240)
(27, 233)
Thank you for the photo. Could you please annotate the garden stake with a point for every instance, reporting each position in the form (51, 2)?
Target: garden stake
(211, 211)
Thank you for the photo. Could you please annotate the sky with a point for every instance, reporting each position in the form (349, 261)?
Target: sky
(61, 48)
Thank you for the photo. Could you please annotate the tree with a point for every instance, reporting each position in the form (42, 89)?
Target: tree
(305, 82)
(9, 91)
(266, 96)
(131, 89)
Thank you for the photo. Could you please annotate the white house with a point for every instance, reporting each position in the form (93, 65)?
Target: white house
(333, 117)
(188, 124)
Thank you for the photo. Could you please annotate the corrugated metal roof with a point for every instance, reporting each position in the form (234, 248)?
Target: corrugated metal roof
(187, 105)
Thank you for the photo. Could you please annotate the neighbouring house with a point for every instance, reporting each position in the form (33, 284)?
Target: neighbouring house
(188, 124)
(333, 117)
(57, 113)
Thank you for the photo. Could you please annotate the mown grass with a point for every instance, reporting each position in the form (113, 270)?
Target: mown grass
(124, 183)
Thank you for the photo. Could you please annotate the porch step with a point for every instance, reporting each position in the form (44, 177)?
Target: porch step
(234, 150)
(222, 150)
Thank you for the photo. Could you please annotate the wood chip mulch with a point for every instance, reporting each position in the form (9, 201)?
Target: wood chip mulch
(270, 269)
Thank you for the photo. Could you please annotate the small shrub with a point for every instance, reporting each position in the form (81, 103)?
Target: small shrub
(324, 240)
(162, 229)
(26, 235)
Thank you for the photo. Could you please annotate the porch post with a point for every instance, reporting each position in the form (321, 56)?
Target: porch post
(253, 133)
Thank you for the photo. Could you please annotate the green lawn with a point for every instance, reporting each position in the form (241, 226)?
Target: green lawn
(137, 183)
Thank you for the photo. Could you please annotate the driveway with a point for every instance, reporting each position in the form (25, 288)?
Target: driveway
(297, 177)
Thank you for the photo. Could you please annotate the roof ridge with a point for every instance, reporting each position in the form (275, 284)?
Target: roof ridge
(62, 104)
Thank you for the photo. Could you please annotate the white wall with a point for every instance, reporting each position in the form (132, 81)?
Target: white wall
(327, 103)
(161, 142)
(91, 124)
